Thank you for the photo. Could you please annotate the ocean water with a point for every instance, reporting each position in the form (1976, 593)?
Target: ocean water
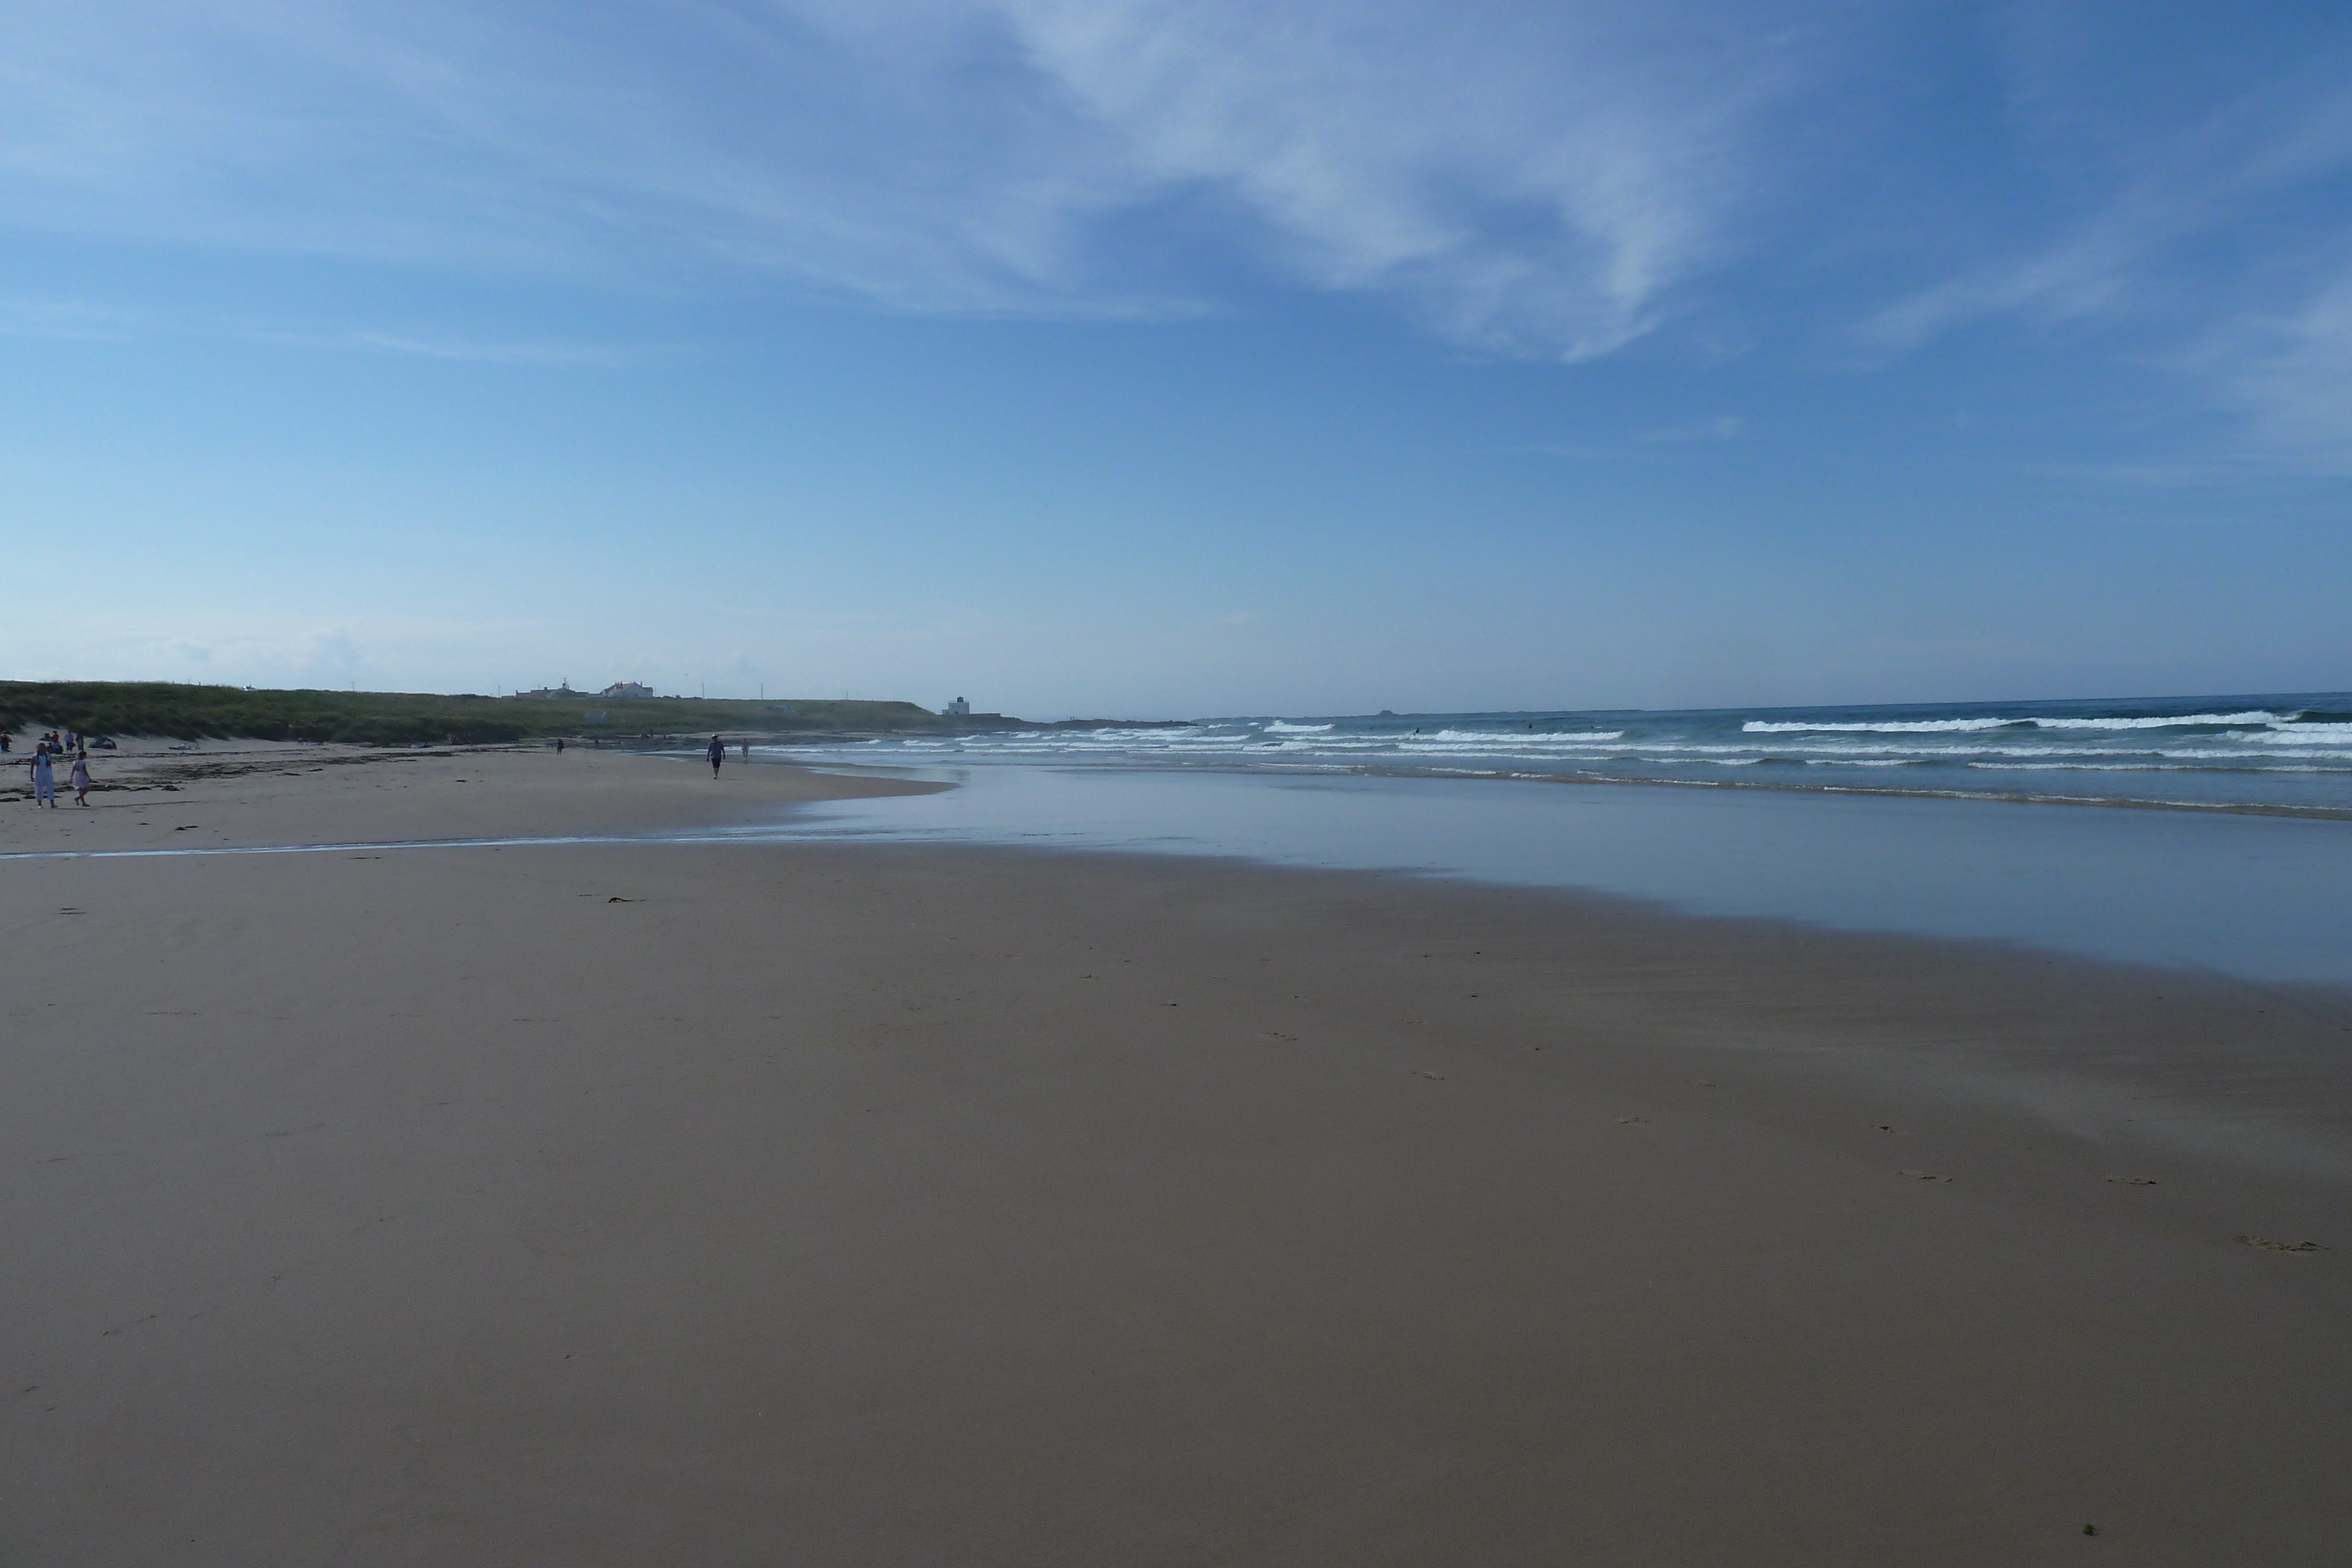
(2287, 753)
(2010, 823)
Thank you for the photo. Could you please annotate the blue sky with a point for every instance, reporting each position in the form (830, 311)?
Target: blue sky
(1131, 357)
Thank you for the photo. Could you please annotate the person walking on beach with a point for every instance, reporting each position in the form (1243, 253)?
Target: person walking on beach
(80, 778)
(718, 754)
(45, 780)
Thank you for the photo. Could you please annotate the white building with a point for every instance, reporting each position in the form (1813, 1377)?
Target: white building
(957, 709)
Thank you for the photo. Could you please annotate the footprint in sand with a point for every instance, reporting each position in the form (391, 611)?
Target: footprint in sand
(1921, 1175)
(2134, 1181)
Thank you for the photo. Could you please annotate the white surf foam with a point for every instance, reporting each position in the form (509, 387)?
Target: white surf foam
(1876, 727)
(2254, 716)
(1961, 726)
(1521, 739)
(2301, 734)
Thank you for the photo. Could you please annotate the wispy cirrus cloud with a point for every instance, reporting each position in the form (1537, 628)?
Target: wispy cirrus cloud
(80, 320)
(73, 319)
(485, 353)
(2160, 239)
(1661, 443)
(1530, 181)
(2291, 374)
(1554, 182)
(2203, 232)
(1535, 181)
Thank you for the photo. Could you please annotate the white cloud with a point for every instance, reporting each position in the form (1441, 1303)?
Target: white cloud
(2208, 239)
(1668, 443)
(62, 319)
(537, 354)
(2133, 247)
(2292, 376)
(1723, 427)
(1550, 179)
(1529, 179)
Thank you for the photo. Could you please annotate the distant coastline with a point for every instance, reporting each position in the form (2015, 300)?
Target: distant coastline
(408, 718)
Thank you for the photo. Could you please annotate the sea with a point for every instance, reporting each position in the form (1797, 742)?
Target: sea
(2265, 753)
(2211, 834)
(2204, 833)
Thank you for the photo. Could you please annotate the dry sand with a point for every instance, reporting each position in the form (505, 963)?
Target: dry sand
(821, 1205)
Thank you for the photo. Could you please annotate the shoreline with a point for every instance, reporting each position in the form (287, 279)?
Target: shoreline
(1871, 792)
(844, 1203)
(161, 767)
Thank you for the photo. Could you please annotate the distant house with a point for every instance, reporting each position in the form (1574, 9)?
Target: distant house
(625, 689)
(546, 694)
(958, 709)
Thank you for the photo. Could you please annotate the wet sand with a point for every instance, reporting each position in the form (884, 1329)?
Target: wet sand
(832, 1204)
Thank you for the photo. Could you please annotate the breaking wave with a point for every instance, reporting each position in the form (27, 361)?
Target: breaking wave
(2262, 753)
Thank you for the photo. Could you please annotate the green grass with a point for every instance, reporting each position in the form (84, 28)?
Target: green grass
(404, 718)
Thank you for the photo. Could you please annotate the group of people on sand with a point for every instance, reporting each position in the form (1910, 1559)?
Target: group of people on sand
(715, 751)
(47, 754)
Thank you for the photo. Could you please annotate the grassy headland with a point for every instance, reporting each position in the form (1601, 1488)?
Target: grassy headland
(402, 718)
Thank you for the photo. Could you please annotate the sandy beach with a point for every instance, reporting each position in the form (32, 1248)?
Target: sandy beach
(618, 1204)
